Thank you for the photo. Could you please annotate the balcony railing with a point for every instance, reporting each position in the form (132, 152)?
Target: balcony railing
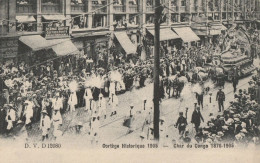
(101, 10)
(26, 8)
(133, 8)
(119, 8)
(51, 8)
(78, 8)
(149, 8)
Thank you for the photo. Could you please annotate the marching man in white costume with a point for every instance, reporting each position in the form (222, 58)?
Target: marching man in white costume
(113, 101)
(94, 129)
(10, 117)
(45, 125)
(28, 112)
(112, 88)
(72, 101)
(57, 121)
(88, 98)
(57, 102)
(102, 104)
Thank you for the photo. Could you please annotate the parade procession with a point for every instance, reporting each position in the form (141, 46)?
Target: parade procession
(85, 71)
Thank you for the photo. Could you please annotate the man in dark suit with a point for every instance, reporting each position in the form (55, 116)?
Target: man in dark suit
(235, 82)
(220, 98)
(196, 117)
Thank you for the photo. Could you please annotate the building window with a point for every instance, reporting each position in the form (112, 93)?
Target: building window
(210, 16)
(79, 22)
(174, 3)
(26, 27)
(133, 2)
(184, 17)
(99, 21)
(150, 19)
(119, 2)
(216, 16)
(51, 1)
(174, 18)
(23, 2)
(26, 6)
(133, 19)
(77, 2)
(224, 16)
(149, 3)
(183, 2)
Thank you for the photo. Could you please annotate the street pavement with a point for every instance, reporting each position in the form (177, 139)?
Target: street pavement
(112, 130)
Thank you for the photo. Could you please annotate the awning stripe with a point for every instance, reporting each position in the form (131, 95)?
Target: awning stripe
(166, 34)
(23, 19)
(35, 42)
(186, 34)
(125, 42)
(63, 47)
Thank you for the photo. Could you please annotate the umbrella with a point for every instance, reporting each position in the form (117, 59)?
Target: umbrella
(73, 86)
(183, 79)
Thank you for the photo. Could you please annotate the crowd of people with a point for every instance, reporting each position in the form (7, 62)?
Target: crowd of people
(43, 93)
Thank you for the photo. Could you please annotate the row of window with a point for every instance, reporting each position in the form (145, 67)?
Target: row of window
(81, 22)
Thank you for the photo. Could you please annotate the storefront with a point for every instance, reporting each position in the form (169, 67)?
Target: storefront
(168, 40)
(208, 34)
(8, 49)
(35, 49)
(94, 46)
(187, 35)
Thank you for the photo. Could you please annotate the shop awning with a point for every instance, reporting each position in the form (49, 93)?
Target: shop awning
(223, 28)
(186, 34)
(63, 47)
(35, 42)
(200, 32)
(23, 19)
(125, 42)
(54, 17)
(166, 34)
(214, 32)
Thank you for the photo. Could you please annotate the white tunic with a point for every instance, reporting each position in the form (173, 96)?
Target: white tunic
(28, 112)
(10, 118)
(45, 124)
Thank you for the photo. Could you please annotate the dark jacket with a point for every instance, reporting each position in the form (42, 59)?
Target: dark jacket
(220, 96)
(196, 116)
(181, 123)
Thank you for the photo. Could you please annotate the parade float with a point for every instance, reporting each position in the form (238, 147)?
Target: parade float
(236, 59)
(236, 64)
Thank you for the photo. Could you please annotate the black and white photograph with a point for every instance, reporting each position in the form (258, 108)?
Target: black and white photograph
(130, 75)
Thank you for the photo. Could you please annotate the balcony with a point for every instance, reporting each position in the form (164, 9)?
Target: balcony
(101, 10)
(119, 8)
(51, 8)
(26, 8)
(77, 8)
(150, 9)
(133, 8)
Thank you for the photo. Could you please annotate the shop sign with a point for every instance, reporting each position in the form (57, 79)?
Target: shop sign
(56, 32)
